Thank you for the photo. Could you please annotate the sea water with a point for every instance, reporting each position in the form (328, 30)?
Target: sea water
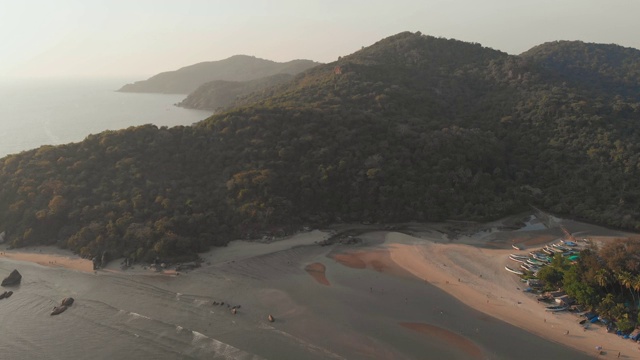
(120, 316)
(52, 112)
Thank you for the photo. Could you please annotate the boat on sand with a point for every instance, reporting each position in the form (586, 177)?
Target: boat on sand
(517, 272)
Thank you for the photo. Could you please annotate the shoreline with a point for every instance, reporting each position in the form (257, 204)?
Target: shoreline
(465, 269)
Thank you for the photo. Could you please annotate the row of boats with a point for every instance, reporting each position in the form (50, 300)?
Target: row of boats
(537, 259)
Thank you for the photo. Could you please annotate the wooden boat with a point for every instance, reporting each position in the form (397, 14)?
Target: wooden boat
(556, 308)
(529, 267)
(543, 258)
(58, 310)
(517, 247)
(535, 262)
(516, 259)
(517, 272)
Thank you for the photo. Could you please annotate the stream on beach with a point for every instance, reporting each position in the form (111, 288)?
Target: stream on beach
(362, 314)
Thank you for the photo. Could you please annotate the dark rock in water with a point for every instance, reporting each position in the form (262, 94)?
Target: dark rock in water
(67, 301)
(3, 295)
(13, 279)
(58, 309)
(9, 293)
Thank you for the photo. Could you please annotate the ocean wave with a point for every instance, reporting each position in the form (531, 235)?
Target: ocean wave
(219, 349)
(138, 316)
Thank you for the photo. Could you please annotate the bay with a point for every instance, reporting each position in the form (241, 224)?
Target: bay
(52, 112)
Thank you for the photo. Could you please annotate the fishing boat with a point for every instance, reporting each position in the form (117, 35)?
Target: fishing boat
(516, 256)
(517, 247)
(535, 262)
(543, 258)
(556, 308)
(553, 249)
(560, 247)
(528, 267)
(517, 272)
(520, 260)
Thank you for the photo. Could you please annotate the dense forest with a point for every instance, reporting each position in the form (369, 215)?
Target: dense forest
(411, 128)
(220, 94)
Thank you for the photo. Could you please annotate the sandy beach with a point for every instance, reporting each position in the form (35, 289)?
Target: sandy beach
(49, 256)
(477, 278)
(472, 274)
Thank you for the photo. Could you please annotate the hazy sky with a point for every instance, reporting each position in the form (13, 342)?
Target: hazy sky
(64, 38)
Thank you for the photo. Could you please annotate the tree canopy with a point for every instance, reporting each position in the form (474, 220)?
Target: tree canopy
(411, 128)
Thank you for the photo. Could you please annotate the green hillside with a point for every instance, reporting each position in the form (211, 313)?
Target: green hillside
(219, 94)
(411, 128)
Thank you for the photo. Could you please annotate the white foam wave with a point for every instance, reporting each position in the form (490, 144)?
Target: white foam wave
(138, 316)
(220, 350)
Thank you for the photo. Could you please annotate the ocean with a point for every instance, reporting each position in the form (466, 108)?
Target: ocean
(52, 112)
(120, 316)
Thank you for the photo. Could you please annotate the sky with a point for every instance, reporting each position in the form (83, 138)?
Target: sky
(139, 38)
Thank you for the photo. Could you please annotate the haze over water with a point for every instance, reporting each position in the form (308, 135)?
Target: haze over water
(52, 112)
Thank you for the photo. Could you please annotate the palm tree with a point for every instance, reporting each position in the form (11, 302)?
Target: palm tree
(636, 286)
(603, 278)
(626, 279)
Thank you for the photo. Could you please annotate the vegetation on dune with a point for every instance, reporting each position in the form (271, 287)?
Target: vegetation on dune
(411, 128)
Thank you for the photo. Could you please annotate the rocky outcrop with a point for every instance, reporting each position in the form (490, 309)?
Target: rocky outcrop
(58, 310)
(13, 279)
(68, 301)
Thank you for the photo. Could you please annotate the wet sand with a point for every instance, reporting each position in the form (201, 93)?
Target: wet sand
(317, 271)
(467, 346)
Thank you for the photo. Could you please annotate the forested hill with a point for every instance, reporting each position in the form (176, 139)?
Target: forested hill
(411, 128)
(235, 68)
(610, 68)
(223, 94)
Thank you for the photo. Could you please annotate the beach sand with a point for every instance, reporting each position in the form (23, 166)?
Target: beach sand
(50, 256)
(473, 275)
(477, 278)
